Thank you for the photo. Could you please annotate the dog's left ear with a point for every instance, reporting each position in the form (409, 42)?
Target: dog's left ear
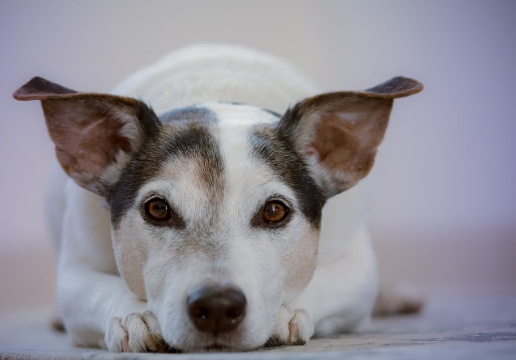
(94, 134)
(338, 133)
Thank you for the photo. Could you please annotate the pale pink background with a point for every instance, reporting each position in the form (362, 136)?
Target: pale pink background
(443, 209)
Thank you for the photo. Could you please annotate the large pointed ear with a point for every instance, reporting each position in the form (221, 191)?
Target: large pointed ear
(338, 133)
(94, 134)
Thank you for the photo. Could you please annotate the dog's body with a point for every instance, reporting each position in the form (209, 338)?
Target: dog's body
(216, 206)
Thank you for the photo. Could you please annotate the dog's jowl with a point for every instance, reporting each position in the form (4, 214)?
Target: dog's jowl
(194, 202)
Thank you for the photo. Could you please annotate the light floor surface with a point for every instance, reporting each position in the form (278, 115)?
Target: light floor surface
(479, 325)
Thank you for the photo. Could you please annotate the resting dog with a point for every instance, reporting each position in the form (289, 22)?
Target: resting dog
(195, 225)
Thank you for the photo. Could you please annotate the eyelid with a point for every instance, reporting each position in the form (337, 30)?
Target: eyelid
(153, 195)
(282, 199)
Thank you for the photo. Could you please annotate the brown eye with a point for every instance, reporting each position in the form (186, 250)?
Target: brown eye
(274, 212)
(157, 209)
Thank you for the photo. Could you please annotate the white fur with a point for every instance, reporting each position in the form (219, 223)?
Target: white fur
(258, 79)
(96, 304)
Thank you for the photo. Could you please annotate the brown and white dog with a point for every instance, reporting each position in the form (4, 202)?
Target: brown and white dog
(194, 225)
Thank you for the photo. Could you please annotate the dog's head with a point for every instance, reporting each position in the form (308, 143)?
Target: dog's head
(216, 208)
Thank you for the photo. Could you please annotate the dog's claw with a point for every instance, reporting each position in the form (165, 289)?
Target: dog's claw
(295, 337)
(137, 332)
(293, 327)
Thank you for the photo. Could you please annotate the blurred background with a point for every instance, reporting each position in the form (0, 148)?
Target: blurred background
(443, 205)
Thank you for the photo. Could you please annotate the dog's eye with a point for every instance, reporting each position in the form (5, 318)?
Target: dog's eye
(157, 209)
(274, 212)
(159, 213)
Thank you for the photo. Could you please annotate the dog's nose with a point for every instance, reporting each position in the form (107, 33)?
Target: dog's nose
(215, 309)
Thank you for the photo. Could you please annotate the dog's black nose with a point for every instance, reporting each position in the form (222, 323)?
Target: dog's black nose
(214, 309)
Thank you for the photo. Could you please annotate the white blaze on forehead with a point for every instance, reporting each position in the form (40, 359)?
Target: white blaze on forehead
(246, 180)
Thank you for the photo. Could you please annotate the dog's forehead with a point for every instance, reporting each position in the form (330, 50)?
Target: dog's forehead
(212, 151)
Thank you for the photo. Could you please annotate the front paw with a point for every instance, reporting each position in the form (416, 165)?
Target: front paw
(137, 332)
(293, 327)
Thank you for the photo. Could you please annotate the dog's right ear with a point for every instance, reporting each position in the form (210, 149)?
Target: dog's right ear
(338, 133)
(94, 134)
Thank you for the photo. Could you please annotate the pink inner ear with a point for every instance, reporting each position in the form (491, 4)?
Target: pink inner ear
(87, 139)
(339, 132)
(339, 144)
(345, 144)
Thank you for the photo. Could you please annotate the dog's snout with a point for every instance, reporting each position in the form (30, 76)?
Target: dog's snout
(215, 309)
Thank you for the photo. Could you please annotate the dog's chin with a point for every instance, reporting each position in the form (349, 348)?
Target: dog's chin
(242, 339)
(214, 346)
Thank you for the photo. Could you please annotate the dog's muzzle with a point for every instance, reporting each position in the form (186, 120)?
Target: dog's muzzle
(214, 309)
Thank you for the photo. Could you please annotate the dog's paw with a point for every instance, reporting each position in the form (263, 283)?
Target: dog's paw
(137, 332)
(293, 327)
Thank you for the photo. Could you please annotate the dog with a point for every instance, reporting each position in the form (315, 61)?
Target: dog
(194, 225)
